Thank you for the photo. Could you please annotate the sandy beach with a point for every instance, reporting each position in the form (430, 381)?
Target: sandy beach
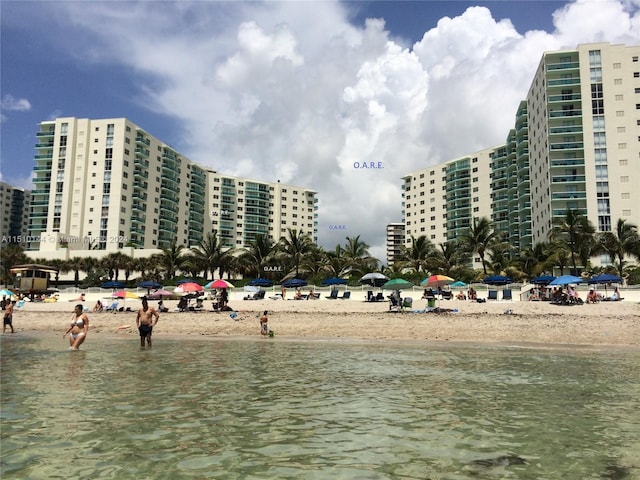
(512, 322)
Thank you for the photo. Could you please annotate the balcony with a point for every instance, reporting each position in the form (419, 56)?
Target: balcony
(569, 196)
(567, 146)
(565, 113)
(50, 133)
(47, 156)
(563, 66)
(565, 129)
(563, 82)
(567, 162)
(42, 179)
(568, 179)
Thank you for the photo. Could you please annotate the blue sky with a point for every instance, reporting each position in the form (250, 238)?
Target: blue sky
(296, 91)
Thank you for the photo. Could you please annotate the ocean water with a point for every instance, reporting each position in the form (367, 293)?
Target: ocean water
(198, 408)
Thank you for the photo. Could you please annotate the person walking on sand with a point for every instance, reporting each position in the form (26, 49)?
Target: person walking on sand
(145, 321)
(78, 328)
(264, 327)
(8, 316)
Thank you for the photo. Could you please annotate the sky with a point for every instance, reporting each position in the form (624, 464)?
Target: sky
(305, 92)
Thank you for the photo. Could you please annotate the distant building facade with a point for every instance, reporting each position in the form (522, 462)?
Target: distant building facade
(575, 145)
(395, 242)
(102, 185)
(15, 204)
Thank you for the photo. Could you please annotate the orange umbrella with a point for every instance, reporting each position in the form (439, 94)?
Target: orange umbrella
(436, 281)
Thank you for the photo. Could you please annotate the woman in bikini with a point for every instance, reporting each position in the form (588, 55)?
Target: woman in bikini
(78, 328)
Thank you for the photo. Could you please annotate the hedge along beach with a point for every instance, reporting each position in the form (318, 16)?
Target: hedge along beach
(511, 322)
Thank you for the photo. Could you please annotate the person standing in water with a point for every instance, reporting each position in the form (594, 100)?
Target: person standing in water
(264, 327)
(8, 316)
(145, 321)
(78, 328)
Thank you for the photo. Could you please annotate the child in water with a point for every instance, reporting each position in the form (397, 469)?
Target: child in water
(264, 327)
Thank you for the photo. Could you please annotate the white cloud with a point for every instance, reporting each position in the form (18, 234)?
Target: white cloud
(10, 103)
(278, 90)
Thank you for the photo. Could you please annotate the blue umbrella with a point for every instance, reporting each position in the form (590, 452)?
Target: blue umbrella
(566, 280)
(113, 284)
(334, 281)
(497, 280)
(185, 280)
(294, 283)
(458, 284)
(149, 284)
(261, 282)
(543, 280)
(605, 278)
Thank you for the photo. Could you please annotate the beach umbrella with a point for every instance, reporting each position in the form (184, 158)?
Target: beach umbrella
(124, 294)
(458, 284)
(295, 283)
(436, 281)
(160, 293)
(261, 282)
(566, 280)
(6, 293)
(218, 284)
(375, 279)
(185, 280)
(189, 287)
(397, 284)
(334, 281)
(149, 285)
(113, 284)
(497, 280)
(251, 289)
(543, 280)
(605, 278)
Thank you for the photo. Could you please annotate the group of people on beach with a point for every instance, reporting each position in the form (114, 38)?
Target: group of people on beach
(147, 317)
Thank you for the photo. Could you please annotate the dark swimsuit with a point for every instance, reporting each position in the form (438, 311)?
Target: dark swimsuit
(145, 330)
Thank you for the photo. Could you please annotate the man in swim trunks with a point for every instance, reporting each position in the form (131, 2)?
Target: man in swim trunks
(8, 316)
(145, 321)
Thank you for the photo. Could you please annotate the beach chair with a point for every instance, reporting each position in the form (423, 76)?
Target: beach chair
(447, 294)
(370, 296)
(20, 304)
(345, 295)
(333, 295)
(407, 302)
(492, 295)
(113, 307)
(507, 295)
(380, 297)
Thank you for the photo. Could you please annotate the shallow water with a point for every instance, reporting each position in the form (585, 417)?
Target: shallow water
(273, 409)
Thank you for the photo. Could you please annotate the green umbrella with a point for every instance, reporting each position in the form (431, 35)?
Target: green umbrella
(397, 284)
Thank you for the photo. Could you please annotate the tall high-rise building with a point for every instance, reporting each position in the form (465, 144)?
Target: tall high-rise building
(575, 145)
(395, 242)
(14, 205)
(107, 184)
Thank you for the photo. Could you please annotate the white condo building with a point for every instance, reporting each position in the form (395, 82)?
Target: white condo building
(103, 185)
(575, 145)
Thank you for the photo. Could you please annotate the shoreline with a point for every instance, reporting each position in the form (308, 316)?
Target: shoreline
(538, 324)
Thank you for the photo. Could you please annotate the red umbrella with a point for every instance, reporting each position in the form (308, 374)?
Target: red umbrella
(189, 287)
(218, 284)
(436, 281)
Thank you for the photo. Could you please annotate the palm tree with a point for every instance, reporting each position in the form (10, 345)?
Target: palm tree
(12, 254)
(116, 261)
(295, 246)
(335, 263)
(577, 232)
(75, 265)
(624, 241)
(258, 254)
(479, 238)
(171, 259)
(448, 258)
(415, 256)
(357, 253)
(209, 256)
